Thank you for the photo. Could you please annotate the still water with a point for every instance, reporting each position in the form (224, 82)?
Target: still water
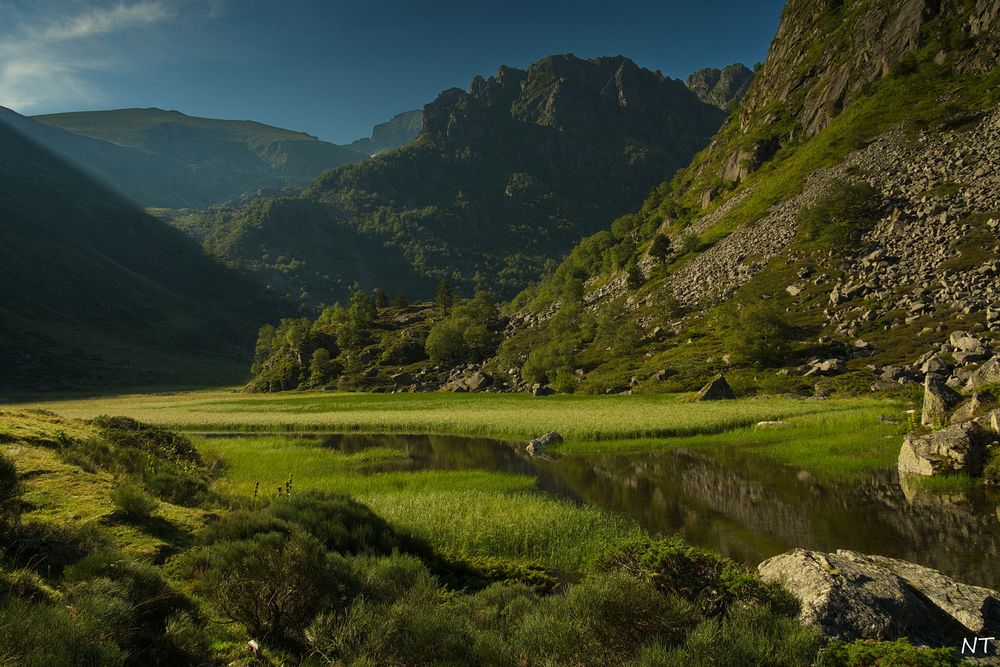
(734, 502)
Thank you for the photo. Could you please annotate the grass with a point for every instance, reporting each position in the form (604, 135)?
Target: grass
(503, 416)
(470, 512)
(846, 445)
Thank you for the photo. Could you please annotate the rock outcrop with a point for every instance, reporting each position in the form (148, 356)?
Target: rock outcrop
(939, 399)
(960, 448)
(716, 390)
(538, 445)
(722, 87)
(850, 595)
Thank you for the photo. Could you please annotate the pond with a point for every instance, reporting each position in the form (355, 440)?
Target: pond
(734, 502)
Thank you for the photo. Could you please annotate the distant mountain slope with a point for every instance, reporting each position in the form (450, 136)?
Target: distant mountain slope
(401, 129)
(167, 159)
(504, 178)
(93, 292)
(722, 87)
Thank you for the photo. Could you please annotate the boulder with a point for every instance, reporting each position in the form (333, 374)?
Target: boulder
(851, 595)
(963, 341)
(960, 448)
(827, 367)
(716, 390)
(934, 364)
(939, 399)
(967, 409)
(536, 446)
(402, 379)
(541, 390)
(472, 382)
(988, 373)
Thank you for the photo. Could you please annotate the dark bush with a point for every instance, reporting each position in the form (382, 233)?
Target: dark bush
(341, 523)
(134, 503)
(756, 333)
(842, 214)
(274, 583)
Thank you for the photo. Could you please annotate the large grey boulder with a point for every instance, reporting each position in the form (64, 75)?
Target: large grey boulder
(988, 373)
(716, 390)
(960, 448)
(939, 399)
(472, 382)
(851, 595)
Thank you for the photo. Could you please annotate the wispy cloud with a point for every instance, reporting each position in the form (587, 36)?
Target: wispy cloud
(48, 60)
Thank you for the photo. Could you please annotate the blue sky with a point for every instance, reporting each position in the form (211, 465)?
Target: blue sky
(336, 68)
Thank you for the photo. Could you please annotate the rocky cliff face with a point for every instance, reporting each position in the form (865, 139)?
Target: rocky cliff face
(401, 129)
(722, 87)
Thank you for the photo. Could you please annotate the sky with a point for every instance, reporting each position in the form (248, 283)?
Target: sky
(335, 68)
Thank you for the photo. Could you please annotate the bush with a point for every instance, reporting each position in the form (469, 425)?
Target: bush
(867, 653)
(841, 215)
(756, 333)
(132, 501)
(709, 581)
(749, 636)
(272, 583)
(603, 621)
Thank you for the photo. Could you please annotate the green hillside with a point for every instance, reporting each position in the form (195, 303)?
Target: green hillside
(503, 180)
(96, 293)
(168, 159)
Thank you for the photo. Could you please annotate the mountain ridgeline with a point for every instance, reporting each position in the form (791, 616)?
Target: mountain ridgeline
(94, 292)
(503, 179)
(166, 159)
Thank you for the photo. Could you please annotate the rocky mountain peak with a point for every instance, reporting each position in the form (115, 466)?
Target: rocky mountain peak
(722, 87)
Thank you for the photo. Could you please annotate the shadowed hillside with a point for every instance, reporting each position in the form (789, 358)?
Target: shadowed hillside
(96, 293)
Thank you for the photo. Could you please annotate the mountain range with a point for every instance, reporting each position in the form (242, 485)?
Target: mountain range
(503, 179)
(166, 159)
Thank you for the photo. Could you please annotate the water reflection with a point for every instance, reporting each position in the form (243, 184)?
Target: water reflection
(739, 504)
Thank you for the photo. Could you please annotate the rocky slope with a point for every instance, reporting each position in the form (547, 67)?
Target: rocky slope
(851, 192)
(504, 178)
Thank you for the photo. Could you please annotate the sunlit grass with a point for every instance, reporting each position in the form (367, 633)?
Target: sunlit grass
(514, 416)
(843, 444)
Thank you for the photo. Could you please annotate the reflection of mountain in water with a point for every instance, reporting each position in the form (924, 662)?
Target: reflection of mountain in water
(739, 504)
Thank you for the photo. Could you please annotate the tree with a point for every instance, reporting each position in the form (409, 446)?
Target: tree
(467, 334)
(358, 320)
(757, 334)
(445, 296)
(322, 367)
(381, 300)
(263, 349)
(400, 301)
(660, 247)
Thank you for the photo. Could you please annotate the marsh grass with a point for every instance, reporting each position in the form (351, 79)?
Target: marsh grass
(842, 445)
(504, 416)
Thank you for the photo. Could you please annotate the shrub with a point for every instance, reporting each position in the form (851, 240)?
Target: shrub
(709, 581)
(339, 522)
(748, 636)
(603, 621)
(841, 215)
(134, 503)
(756, 333)
(274, 584)
(867, 653)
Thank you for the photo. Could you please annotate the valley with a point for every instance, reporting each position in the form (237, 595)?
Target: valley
(579, 365)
